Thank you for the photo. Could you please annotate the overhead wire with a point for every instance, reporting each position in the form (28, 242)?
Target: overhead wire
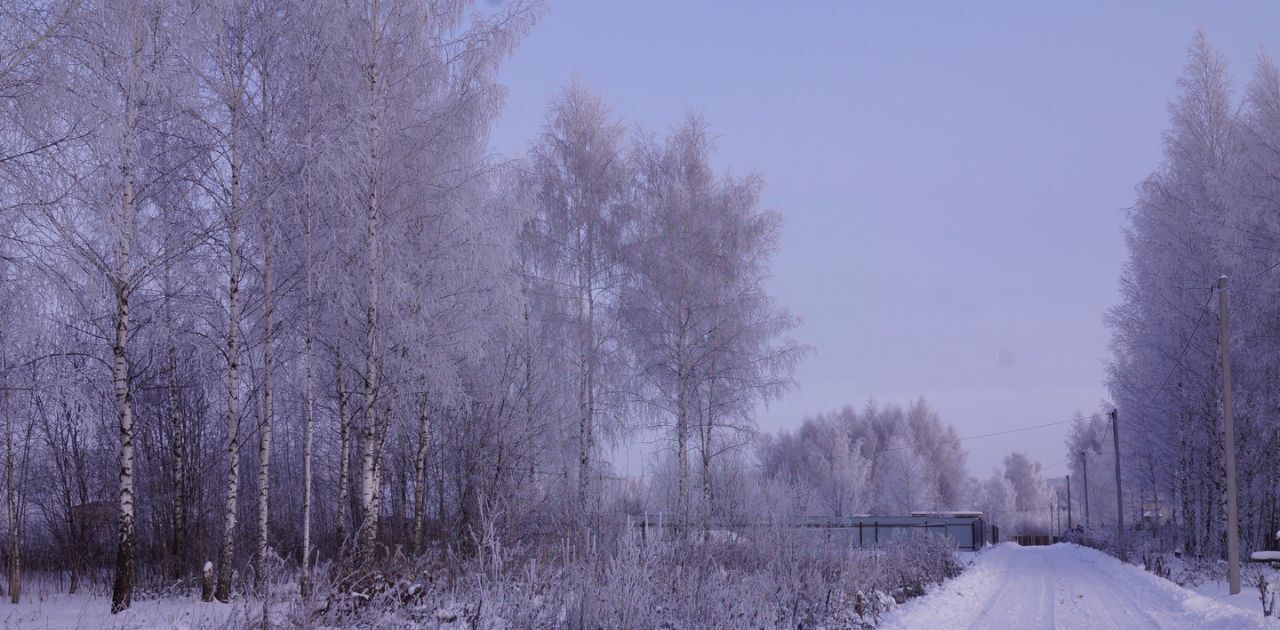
(1178, 363)
(993, 434)
(1195, 328)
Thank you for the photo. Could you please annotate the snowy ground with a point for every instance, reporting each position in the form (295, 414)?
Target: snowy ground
(85, 612)
(1068, 586)
(1246, 599)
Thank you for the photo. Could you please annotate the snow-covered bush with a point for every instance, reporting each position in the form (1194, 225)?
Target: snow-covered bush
(916, 562)
(761, 578)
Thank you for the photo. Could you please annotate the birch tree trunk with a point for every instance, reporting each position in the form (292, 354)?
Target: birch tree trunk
(374, 509)
(420, 477)
(586, 359)
(228, 554)
(591, 354)
(368, 530)
(584, 406)
(122, 588)
(179, 549)
(682, 459)
(370, 454)
(225, 568)
(682, 426)
(304, 581)
(705, 448)
(264, 434)
(344, 458)
(11, 488)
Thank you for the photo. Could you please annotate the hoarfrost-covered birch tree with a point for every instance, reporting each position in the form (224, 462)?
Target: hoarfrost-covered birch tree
(581, 179)
(663, 304)
(710, 343)
(117, 67)
(420, 78)
(223, 60)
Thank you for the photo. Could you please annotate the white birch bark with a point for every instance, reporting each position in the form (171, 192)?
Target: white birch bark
(344, 458)
(308, 440)
(228, 553)
(264, 434)
(11, 488)
(122, 588)
(178, 473)
(420, 476)
(369, 442)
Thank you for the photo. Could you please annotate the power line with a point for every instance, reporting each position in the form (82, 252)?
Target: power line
(1177, 363)
(1186, 346)
(1252, 280)
(996, 433)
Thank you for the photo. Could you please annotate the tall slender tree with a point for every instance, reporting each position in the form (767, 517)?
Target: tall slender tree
(581, 178)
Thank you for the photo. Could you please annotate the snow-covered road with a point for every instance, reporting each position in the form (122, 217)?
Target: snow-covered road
(1064, 586)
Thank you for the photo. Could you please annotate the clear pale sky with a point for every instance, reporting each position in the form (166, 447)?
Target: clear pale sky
(953, 176)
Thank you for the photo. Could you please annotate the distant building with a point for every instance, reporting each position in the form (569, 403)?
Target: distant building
(950, 514)
(1154, 515)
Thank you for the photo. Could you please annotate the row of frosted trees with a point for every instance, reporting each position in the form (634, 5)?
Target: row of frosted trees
(887, 460)
(1211, 208)
(883, 460)
(267, 294)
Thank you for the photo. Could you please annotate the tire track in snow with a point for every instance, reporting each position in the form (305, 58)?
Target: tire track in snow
(1109, 598)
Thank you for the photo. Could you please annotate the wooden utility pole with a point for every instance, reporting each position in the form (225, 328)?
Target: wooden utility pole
(1069, 502)
(1115, 435)
(1057, 511)
(1229, 437)
(1085, 464)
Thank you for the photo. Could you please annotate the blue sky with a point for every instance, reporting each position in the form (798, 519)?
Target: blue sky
(953, 176)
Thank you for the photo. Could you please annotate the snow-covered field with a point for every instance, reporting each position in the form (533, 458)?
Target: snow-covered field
(87, 612)
(1247, 599)
(1069, 586)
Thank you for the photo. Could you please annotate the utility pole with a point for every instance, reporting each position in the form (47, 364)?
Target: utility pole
(1057, 511)
(1085, 463)
(1115, 434)
(1229, 436)
(1068, 501)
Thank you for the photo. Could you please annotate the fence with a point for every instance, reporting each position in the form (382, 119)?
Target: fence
(969, 533)
(1035, 540)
